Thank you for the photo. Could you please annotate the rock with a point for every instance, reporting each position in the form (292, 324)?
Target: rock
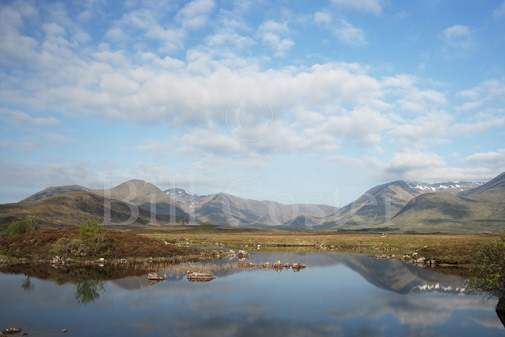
(199, 277)
(155, 277)
(11, 331)
(297, 266)
(57, 260)
(101, 261)
(433, 263)
(64, 330)
(266, 265)
(242, 254)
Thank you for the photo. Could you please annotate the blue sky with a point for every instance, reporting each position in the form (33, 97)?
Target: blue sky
(306, 101)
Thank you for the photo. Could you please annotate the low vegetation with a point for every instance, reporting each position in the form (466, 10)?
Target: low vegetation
(89, 240)
(489, 268)
(21, 227)
(445, 248)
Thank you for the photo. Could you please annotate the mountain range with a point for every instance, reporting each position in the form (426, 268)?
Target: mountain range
(398, 206)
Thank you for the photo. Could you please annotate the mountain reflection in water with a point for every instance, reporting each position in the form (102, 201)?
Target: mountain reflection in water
(337, 295)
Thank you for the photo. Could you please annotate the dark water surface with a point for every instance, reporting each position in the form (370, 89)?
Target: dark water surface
(336, 295)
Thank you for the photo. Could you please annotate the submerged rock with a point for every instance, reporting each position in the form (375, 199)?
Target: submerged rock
(297, 266)
(199, 277)
(11, 331)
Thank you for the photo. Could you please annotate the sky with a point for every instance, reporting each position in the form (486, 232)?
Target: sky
(291, 101)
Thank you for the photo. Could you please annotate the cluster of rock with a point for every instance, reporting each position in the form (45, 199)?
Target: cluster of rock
(193, 277)
(14, 331)
(277, 266)
(413, 259)
(59, 261)
(242, 254)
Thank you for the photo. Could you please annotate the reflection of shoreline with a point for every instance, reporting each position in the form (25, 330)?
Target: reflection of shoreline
(391, 275)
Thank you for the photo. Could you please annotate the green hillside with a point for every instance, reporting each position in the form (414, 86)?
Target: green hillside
(71, 209)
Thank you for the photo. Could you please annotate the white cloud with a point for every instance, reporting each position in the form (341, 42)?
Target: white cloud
(204, 141)
(19, 146)
(323, 17)
(344, 31)
(16, 48)
(459, 37)
(494, 159)
(478, 123)
(412, 164)
(370, 6)
(499, 12)
(281, 46)
(349, 34)
(423, 131)
(487, 92)
(195, 14)
(19, 117)
(363, 126)
(271, 31)
(415, 165)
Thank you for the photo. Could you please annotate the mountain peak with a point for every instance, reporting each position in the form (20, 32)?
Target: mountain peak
(52, 191)
(494, 184)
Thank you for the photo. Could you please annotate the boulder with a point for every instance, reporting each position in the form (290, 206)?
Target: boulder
(199, 277)
(57, 260)
(242, 254)
(11, 331)
(297, 266)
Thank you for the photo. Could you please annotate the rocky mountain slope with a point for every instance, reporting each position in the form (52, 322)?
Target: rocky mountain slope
(477, 210)
(375, 206)
(226, 209)
(145, 195)
(450, 187)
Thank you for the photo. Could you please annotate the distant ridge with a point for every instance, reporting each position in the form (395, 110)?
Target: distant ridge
(229, 210)
(52, 191)
(450, 187)
(398, 206)
(374, 207)
(497, 182)
(73, 208)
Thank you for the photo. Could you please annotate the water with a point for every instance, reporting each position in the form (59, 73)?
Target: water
(336, 295)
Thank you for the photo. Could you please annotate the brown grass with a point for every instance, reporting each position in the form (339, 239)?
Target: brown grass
(445, 248)
(39, 244)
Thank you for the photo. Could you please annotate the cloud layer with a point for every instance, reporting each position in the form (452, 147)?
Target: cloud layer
(234, 87)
